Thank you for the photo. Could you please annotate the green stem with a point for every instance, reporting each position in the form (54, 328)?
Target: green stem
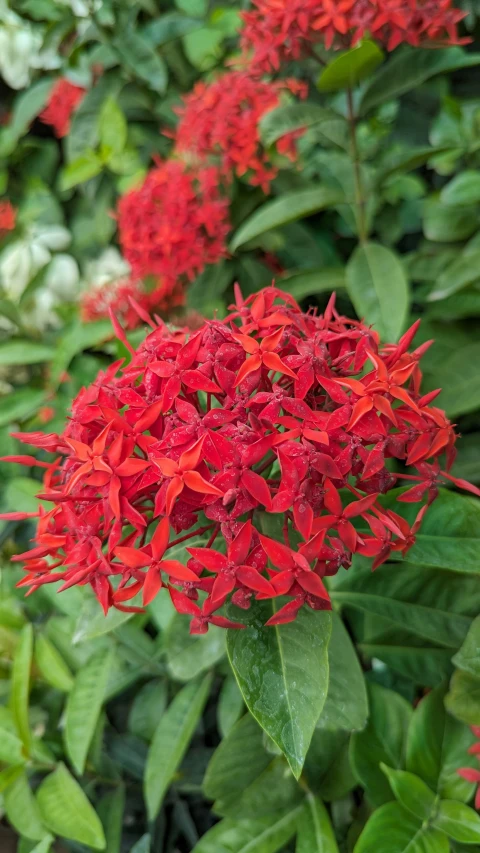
(357, 172)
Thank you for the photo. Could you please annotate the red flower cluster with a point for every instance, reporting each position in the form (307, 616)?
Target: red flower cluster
(8, 216)
(271, 411)
(279, 31)
(125, 297)
(175, 223)
(64, 99)
(222, 118)
(469, 773)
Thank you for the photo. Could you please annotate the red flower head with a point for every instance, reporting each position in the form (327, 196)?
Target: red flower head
(8, 216)
(222, 118)
(279, 31)
(64, 99)
(125, 296)
(470, 773)
(271, 412)
(175, 223)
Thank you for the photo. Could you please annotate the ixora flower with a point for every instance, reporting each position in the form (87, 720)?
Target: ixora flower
(125, 295)
(175, 223)
(470, 773)
(64, 99)
(278, 31)
(222, 119)
(8, 216)
(270, 413)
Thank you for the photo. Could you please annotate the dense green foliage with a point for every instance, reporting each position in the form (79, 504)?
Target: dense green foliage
(125, 733)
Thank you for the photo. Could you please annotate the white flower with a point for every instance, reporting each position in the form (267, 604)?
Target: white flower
(109, 267)
(19, 50)
(54, 237)
(41, 315)
(62, 277)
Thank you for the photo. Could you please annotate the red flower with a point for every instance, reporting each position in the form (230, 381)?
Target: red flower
(271, 410)
(279, 31)
(221, 120)
(65, 97)
(469, 773)
(8, 216)
(125, 296)
(174, 224)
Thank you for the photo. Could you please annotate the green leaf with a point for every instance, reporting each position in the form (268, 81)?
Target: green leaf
(84, 705)
(463, 699)
(43, 846)
(188, 655)
(142, 846)
(437, 745)
(230, 706)
(378, 288)
(171, 741)
(237, 762)
(351, 67)
(444, 223)
(22, 809)
(16, 352)
(66, 811)
(411, 67)
(20, 684)
(51, 664)
(112, 127)
(346, 705)
(148, 706)
(27, 106)
(276, 123)
(463, 271)
(20, 495)
(285, 689)
(461, 382)
(405, 161)
(111, 811)
(392, 829)
(87, 166)
(315, 833)
(84, 127)
(411, 792)
(203, 47)
(74, 339)
(167, 28)
(142, 60)
(19, 405)
(261, 835)
(383, 739)
(468, 656)
(287, 208)
(11, 747)
(425, 666)
(458, 821)
(327, 767)
(462, 189)
(313, 282)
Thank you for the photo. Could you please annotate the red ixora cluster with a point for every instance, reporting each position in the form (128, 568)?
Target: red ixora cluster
(123, 297)
(8, 216)
(469, 773)
(175, 223)
(222, 119)
(271, 412)
(277, 31)
(64, 99)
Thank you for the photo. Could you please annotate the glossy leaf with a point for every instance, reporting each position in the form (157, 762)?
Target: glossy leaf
(237, 762)
(20, 685)
(171, 741)
(461, 381)
(383, 740)
(147, 708)
(463, 698)
(112, 127)
(84, 705)
(85, 167)
(437, 745)
(458, 821)
(351, 67)
(411, 792)
(462, 189)
(468, 656)
(10, 747)
(378, 288)
(346, 705)
(142, 60)
(287, 208)
(51, 664)
(22, 810)
(392, 829)
(458, 275)
(285, 119)
(24, 352)
(286, 689)
(444, 223)
(189, 655)
(411, 67)
(262, 835)
(111, 810)
(315, 832)
(313, 282)
(230, 705)
(66, 811)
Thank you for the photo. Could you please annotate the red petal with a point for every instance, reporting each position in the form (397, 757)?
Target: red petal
(278, 554)
(239, 548)
(211, 560)
(197, 483)
(134, 558)
(311, 583)
(287, 613)
(178, 570)
(152, 585)
(159, 540)
(257, 488)
(254, 580)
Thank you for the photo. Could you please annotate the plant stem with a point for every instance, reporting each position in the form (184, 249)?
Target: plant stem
(357, 172)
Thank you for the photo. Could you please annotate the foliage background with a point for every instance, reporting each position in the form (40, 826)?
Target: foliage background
(134, 706)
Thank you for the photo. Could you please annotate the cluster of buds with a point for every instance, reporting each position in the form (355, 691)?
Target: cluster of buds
(64, 99)
(279, 31)
(270, 412)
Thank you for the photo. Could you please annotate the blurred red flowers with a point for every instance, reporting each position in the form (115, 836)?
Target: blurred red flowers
(279, 31)
(123, 295)
(175, 223)
(221, 119)
(271, 413)
(469, 773)
(8, 216)
(64, 98)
